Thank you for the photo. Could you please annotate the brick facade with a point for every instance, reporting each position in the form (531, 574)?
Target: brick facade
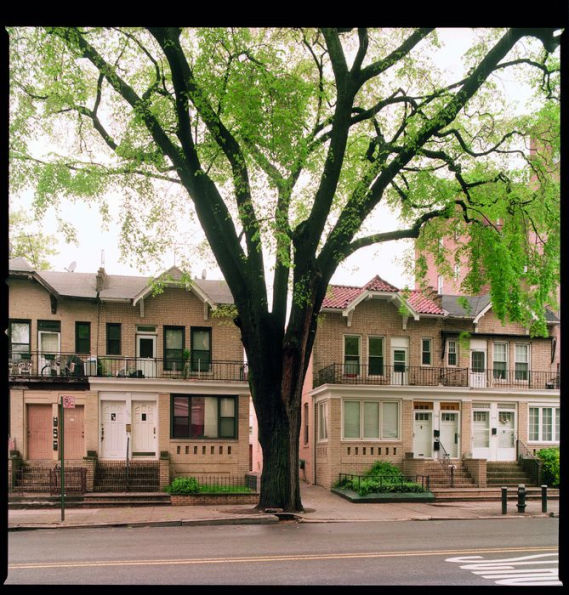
(30, 301)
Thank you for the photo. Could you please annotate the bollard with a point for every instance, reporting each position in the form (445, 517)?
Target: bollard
(504, 500)
(521, 498)
(543, 498)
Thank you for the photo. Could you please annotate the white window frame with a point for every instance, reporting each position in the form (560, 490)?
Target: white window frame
(369, 356)
(555, 412)
(455, 343)
(381, 403)
(359, 338)
(527, 362)
(430, 352)
(323, 409)
(494, 360)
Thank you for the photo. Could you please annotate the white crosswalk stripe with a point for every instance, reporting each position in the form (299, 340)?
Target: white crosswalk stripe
(534, 570)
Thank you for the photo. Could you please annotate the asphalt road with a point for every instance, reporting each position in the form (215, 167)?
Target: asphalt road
(473, 552)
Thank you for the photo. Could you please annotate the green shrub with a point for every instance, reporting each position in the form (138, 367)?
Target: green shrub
(550, 460)
(190, 485)
(381, 478)
(183, 485)
(385, 469)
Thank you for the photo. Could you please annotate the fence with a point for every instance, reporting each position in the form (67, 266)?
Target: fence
(43, 480)
(356, 373)
(73, 367)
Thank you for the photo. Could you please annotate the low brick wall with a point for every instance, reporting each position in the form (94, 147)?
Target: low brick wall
(477, 470)
(197, 499)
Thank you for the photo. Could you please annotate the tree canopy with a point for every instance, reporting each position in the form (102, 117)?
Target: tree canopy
(287, 141)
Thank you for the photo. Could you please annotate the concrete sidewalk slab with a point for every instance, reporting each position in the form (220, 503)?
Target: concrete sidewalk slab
(320, 506)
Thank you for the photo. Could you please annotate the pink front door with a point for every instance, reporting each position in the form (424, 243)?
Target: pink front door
(40, 432)
(74, 439)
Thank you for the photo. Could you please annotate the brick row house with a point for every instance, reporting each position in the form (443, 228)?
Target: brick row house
(394, 377)
(155, 375)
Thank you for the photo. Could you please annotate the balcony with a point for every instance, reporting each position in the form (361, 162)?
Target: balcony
(353, 373)
(72, 368)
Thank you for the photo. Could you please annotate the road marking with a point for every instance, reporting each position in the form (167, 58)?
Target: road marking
(504, 572)
(274, 558)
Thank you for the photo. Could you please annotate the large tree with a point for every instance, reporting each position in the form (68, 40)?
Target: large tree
(286, 142)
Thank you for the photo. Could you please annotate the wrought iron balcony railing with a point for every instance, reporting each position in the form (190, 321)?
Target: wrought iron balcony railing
(76, 367)
(354, 373)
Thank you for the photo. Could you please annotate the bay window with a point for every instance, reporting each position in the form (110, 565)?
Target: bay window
(370, 420)
(196, 416)
(544, 424)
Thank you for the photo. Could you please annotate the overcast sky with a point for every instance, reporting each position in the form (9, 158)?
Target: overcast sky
(98, 246)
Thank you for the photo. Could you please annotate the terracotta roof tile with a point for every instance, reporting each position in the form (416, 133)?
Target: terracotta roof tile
(339, 296)
(422, 304)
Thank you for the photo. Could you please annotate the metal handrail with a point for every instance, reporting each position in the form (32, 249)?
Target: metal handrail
(56, 366)
(446, 465)
(377, 374)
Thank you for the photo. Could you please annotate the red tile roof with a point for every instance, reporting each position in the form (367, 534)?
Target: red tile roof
(423, 304)
(341, 296)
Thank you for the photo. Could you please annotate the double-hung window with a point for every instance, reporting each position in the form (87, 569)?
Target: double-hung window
(173, 348)
(371, 420)
(19, 332)
(208, 417)
(522, 361)
(426, 352)
(113, 338)
(375, 356)
(201, 349)
(322, 409)
(544, 424)
(451, 353)
(500, 361)
(82, 337)
(351, 355)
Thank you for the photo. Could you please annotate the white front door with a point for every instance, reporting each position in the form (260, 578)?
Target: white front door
(481, 434)
(144, 428)
(48, 352)
(422, 434)
(449, 432)
(478, 369)
(494, 433)
(146, 355)
(400, 365)
(506, 438)
(113, 430)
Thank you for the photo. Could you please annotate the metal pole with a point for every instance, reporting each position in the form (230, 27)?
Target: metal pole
(62, 457)
(543, 498)
(504, 500)
(521, 497)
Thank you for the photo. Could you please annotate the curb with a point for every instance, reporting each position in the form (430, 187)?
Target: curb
(266, 520)
(269, 520)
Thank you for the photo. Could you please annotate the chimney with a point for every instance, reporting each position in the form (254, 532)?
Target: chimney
(101, 280)
(204, 273)
(434, 295)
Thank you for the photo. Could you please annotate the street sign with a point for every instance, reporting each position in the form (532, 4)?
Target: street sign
(68, 401)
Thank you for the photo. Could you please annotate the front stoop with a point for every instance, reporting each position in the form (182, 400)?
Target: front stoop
(506, 474)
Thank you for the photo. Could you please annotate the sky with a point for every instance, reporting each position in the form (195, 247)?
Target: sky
(99, 247)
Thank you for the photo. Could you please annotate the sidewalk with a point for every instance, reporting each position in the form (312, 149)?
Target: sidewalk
(320, 506)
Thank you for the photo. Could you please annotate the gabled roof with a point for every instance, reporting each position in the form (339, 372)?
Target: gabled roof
(345, 297)
(129, 288)
(476, 305)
